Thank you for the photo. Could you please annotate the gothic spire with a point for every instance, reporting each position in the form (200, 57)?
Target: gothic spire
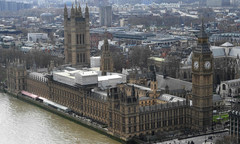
(65, 7)
(154, 75)
(79, 10)
(105, 47)
(76, 3)
(65, 11)
(72, 12)
(202, 33)
(86, 10)
(202, 46)
(76, 9)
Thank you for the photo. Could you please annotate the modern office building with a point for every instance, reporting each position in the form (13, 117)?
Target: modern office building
(13, 5)
(105, 15)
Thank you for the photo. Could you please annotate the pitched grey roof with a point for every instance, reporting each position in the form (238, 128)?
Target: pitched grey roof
(140, 87)
(235, 51)
(216, 98)
(173, 83)
(218, 51)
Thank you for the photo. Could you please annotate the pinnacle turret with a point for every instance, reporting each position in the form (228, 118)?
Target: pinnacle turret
(202, 33)
(86, 12)
(105, 46)
(72, 11)
(80, 10)
(65, 11)
(202, 46)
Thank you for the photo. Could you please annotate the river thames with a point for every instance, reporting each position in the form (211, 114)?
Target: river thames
(23, 123)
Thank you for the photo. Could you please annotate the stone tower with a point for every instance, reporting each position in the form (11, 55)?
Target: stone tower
(154, 86)
(106, 59)
(16, 76)
(202, 83)
(123, 112)
(76, 37)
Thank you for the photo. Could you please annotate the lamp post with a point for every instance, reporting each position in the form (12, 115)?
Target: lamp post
(231, 98)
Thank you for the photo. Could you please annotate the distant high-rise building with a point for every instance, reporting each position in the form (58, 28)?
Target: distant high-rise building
(233, 2)
(97, 3)
(2, 5)
(202, 2)
(214, 3)
(225, 2)
(13, 5)
(147, 2)
(105, 13)
(218, 3)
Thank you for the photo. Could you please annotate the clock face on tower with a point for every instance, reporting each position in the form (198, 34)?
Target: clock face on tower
(207, 65)
(196, 65)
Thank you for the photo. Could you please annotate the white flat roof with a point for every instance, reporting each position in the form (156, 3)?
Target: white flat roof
(108, 77)
(94, 68)
(95, 57)
(65, 74)
(88, 73)
(71, 74)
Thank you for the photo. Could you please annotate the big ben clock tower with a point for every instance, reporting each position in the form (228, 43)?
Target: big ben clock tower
(202, 84)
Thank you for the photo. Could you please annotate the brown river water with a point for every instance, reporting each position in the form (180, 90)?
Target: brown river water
(23, 123)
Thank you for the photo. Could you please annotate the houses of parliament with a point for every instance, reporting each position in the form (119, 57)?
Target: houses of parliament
(127, 109)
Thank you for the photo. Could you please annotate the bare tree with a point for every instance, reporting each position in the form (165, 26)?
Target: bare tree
(139, 56)
(41, 59)
(119, 60)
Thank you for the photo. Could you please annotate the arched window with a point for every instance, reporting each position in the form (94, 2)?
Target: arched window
(184, 75)
(77, 39)
(223, 87)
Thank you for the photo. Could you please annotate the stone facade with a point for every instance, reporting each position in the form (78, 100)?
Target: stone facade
(77, 37)
(37, 83)
(106, 59)
(202, 84)
(229, 88)
(234, 117)
(16, 76)
(79, 99)
(127, 118)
